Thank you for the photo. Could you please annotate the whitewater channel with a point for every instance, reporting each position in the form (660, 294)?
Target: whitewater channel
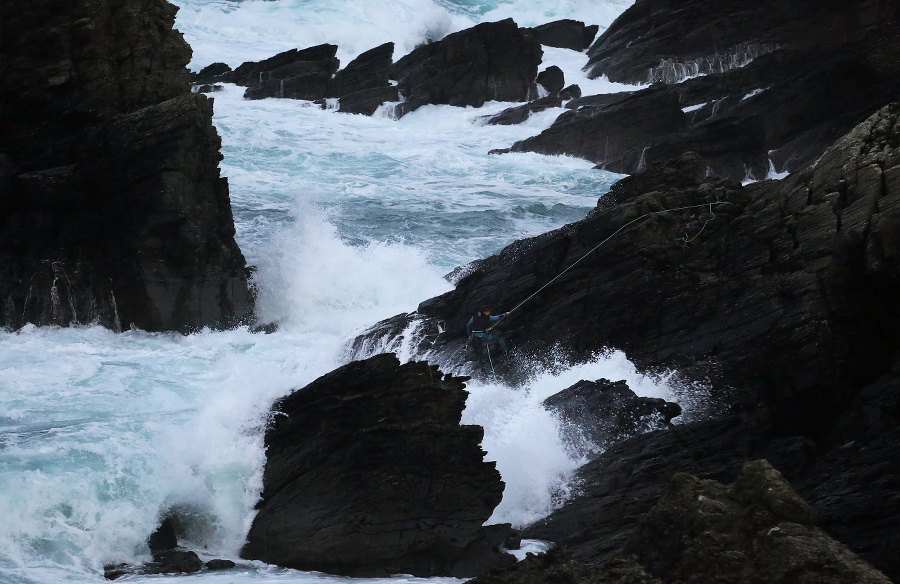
(349, 219)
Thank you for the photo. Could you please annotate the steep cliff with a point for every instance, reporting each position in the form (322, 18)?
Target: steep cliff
(112, 209)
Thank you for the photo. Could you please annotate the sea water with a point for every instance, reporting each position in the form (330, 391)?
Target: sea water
(349, 219)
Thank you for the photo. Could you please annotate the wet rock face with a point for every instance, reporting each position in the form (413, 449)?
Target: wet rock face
(113, 210)
(785, 286)
(756, 530)
(566, 34)
(603, 412)
(368, 472)
(753, 82)
(490, 61)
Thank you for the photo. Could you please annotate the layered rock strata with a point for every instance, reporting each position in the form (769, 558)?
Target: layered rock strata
(751, 83)
(112, 209)
(368, 472)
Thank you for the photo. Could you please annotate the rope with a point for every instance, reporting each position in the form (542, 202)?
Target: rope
(491, 361)
(684, 241)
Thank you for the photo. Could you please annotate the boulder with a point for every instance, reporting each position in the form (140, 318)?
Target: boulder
(603, 412)
(214, 73)
(490, 61)
(566, 34)
(368, 472)
(552, 79)
(97, 103)
(571, 92)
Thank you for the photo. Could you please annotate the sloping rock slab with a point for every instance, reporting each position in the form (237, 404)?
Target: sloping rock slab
(368, 472)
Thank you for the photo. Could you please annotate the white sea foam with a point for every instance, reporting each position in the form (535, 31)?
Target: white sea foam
(526, 439)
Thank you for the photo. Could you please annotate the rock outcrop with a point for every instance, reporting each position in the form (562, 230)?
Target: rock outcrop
(566, 34)
(112, 209)
(368, 472)
(777, 297)
(752, 82)
(490, 61)
(756, 530)
(603, 413)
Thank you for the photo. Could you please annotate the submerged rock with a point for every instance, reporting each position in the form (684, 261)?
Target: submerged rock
(518, 114)
(368, 472)
(112, 209)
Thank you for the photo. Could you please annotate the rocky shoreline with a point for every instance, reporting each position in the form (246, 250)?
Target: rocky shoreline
(777, 297)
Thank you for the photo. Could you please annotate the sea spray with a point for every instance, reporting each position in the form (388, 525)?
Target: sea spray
(533, 455)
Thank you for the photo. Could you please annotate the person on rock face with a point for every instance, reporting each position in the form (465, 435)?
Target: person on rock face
(477, 327)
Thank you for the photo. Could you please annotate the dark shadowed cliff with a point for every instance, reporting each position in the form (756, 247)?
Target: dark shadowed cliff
(112, 209)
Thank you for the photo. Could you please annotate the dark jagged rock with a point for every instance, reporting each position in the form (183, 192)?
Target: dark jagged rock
(164, 538)
(288, 63)
(168, 558)
(215, 565)
(367, 71)
(774, 83)
(368, 101)
(615, 136)
(756, 530)
(552, 79)
(368, 472)
(604, 412)
(781, 302)
(113, 210)
(518, 114)
(490, 61)
(294, 74)
(215, 73)
(571, 92)
(566, 34)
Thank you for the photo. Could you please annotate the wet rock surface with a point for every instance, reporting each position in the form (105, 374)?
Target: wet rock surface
(778, 301)
(368, 472)
(757, 529)
(566, 34)
(490, 61)
(603, 413)
(168, 557)
(112, 209)
(773, 83)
